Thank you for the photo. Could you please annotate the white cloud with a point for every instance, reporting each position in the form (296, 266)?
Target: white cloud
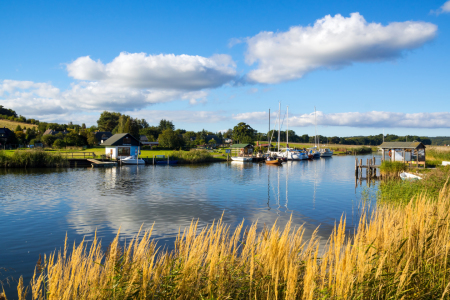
(181, 116)
(378, 119)
(445, 8)
(163, 71)
(332, 42)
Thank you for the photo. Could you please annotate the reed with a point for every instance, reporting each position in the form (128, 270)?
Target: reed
(392, 168)
(360, 150)
(439, 154)
(398, 252)
(32, 159)
(193, 156)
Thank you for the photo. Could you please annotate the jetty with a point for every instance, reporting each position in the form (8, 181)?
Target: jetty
(370, 167)
(102, 164)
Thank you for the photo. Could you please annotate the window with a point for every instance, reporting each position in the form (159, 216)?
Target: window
(123, 151)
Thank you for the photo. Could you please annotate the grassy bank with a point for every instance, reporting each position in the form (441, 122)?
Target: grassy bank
(196, 156)
(398, 252)
(32, 159)
(402, 191)
(388, 168)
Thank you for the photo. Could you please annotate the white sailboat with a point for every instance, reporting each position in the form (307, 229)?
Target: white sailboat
(132, 160)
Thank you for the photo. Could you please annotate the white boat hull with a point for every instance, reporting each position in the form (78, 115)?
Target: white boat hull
(132, 161)
(241, 159)
(409, 176)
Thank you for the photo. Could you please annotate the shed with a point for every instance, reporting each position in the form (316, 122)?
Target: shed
(122, 145)
(242, 150)
(407, 152)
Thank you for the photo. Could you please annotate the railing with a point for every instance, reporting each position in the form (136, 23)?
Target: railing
(78, 154)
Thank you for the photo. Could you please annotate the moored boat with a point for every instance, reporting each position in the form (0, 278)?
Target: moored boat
(409, 176)
(273, 161)
(325, 152)
(132, 160)
(241, 158)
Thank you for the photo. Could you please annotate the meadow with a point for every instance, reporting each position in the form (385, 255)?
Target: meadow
(397, 252)
(13, 124)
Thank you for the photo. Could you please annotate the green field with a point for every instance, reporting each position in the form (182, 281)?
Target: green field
(12, 124)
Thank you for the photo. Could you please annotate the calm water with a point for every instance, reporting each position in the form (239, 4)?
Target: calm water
(39, 206)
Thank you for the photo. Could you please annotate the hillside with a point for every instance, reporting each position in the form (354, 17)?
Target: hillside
(13, 124)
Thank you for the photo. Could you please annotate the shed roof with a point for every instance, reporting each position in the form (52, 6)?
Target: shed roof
(116, 139)
(240, 145)
(402, 145)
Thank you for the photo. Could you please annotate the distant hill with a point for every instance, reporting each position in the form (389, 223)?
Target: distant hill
(440, 140)
(13, 124)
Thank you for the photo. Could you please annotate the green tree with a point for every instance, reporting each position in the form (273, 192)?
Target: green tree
(18, 128)
(243, 133)
(58, 144)
(48, 140)
(108, 121)
(151, 133)
(166, 124)
(91, 139)
(212, 142)
(170, 139)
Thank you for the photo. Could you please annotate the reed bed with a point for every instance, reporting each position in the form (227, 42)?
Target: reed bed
(392, 168)
(398, 252)
(193, 156)
(32, 159)
(439, 154)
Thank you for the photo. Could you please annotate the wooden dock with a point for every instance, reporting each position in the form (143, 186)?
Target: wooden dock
(102, 164)
(370, 167)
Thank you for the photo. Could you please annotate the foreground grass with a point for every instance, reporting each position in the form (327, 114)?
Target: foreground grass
(32, 158)
(398, 252)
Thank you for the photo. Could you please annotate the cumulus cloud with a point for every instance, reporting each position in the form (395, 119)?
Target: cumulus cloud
(163, 71)
(445, 8)
(332, 43)
(378, 119)
(183, 116)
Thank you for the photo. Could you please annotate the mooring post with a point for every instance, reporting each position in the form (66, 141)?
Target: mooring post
(360, 167)
(168, 159)
(153, 159)
(356, 167)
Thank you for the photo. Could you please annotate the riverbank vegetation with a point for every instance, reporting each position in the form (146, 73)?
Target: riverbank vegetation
(32, 159)
(398, 252)
(196, 156)
(392, 168)
(395, 190)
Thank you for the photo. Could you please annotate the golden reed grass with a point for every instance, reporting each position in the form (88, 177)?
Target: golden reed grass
(397, 252)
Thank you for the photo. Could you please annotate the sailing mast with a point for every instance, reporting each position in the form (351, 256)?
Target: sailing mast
(279, 125)
(269, 140)
(287, 130)
(315, 125)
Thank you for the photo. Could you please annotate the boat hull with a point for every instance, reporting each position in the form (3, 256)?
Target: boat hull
(273, 162)
(165, 162)
(131, 162)
(241, 159)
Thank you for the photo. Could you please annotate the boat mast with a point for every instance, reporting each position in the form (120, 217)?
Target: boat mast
(269, 140)
(315, 125)
(279, 124)
(287, 130)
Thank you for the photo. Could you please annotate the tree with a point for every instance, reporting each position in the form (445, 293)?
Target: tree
(170, 139)
(91, 139)
(48, 140)
(58, 144)
(212, 142)
(228, 134)
(151, 133)
(18, 128)
(108, 121)
(7, 112)
(165, 124)
(83, 126)
(243, 133)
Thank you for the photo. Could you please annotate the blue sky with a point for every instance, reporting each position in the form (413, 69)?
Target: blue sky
(366, 66)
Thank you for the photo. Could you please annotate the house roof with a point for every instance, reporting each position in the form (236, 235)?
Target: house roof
(240, 145)
(402, 145)
(116, 140)
(99, 135)
(5, 132)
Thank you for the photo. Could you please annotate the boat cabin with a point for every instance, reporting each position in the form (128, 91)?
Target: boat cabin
(406, 152)
(122, 145)
(242, 150)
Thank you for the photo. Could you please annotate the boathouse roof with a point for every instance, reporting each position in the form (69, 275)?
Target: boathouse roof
(402, 145)
(122, 139)
(241, 145)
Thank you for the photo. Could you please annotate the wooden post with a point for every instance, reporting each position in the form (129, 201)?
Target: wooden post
(356, 167)
(417, 150)
(360, 167)
(168, 159)
(153, 158)
(424, 158)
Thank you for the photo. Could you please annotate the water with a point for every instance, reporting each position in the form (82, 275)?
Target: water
(38, 207)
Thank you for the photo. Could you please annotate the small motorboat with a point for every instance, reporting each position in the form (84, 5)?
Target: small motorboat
(409, 176)
(242, 158)
(325, 152)
(132, 160)
(273, 161)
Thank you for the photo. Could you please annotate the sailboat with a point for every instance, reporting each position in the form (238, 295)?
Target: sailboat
(313, 152)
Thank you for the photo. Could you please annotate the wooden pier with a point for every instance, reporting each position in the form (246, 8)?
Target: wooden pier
(370, 167)
(102, 164)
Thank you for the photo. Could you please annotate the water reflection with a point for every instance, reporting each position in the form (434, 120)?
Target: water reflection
(38, 207)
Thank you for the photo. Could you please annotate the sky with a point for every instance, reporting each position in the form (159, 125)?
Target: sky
(366, 66)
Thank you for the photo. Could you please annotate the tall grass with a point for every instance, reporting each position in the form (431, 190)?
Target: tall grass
(392, 168)
(32, 159)
(193, 156)
(398, 252)
(442, 153)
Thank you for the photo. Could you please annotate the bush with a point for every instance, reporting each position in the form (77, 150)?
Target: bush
(193, 156)
(58, 144)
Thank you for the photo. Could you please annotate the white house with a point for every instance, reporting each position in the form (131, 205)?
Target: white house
(122, 145)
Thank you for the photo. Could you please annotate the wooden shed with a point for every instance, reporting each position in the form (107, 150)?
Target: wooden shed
(122, 145)
(242, 150)
(406, 152)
